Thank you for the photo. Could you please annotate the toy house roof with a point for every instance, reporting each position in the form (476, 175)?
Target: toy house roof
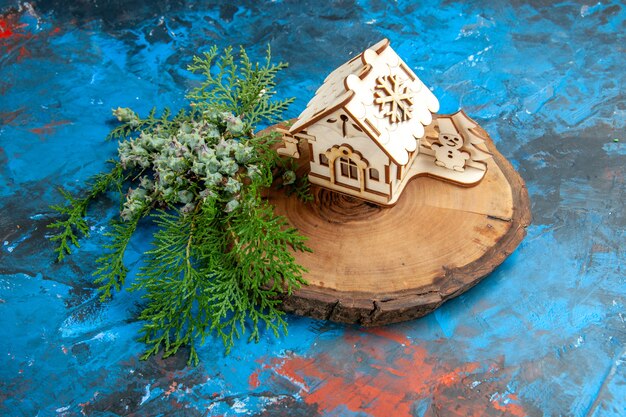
(382, 95)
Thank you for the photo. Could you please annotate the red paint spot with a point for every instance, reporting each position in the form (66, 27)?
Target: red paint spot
(396, 337)
(5, 29)
(382, 373)
(379, 389)
(12, 117)
(289, 369)
(253, 381)
(10, 27)
(24, 53)
(15, 35)
(506, 405)
(83, 406)
(49, 128)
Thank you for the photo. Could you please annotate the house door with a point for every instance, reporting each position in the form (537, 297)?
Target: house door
(347, 172)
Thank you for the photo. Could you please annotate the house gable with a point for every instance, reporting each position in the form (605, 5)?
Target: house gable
(339, 126)
(383, 97)
(336, 132)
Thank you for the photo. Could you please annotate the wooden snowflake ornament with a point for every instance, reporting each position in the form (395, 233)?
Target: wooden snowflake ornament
(395, 98)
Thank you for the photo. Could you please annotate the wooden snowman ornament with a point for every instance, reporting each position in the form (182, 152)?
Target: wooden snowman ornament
(448, 153)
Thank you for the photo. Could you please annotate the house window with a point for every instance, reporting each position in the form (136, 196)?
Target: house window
(348, 168)
(323, 160)
(374, 176)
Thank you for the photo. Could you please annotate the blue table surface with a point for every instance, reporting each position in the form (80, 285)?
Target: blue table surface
(543, 335)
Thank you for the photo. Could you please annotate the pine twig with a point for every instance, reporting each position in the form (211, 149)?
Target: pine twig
(112, 272)
(75, 210)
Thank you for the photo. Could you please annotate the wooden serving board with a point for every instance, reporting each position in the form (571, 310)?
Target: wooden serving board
(376, 265)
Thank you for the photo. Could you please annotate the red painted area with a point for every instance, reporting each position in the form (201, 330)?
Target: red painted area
(16, 35)
(13, 36)
(23, 53)
(49, 128)
(396, 337)
(13, 118)
(11, 27)
(5, 29)
(253, 381)
(382, 373)
(506, 405)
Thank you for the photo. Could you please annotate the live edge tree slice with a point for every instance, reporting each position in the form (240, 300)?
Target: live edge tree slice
(377, 265)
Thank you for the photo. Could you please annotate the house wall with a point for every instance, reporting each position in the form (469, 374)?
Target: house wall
(397, 180)
(338, 129)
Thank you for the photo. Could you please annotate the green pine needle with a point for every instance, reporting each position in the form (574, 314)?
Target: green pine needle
(74, 225)
(201, 277)
(243, 88)
(112, 272)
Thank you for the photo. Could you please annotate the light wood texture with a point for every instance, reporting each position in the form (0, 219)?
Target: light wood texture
(369, 118)
(375, 265)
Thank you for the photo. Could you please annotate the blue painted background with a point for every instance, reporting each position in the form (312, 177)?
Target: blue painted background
(544, 335)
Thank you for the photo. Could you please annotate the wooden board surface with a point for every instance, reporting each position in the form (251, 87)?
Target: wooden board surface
(375, 265)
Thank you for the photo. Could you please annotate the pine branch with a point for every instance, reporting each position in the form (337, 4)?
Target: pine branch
(302, 189)
(264, 269)
(134, 124)
(215, 90)
(266, 156)
(243, 88)
(220, 259)
(294, 184)
(201, 278)
(112, 272)
(257, 86)
(176, 279)
(75, 210)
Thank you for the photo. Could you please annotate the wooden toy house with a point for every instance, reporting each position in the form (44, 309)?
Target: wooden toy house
(365, 128)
